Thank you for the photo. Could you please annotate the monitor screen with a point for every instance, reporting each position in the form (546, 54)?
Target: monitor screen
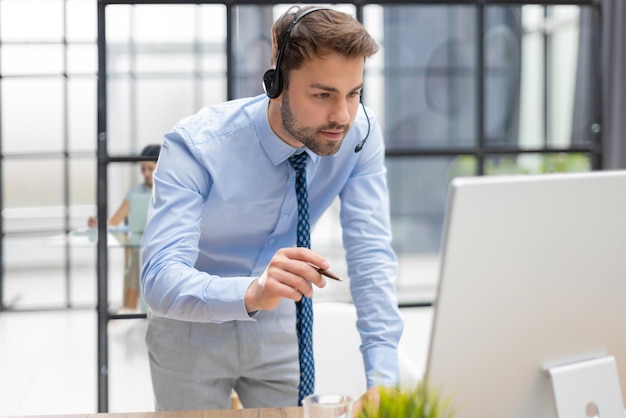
(533, 273)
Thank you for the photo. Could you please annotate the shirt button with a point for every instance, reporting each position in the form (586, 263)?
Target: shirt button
(272, 241)
(285, 216)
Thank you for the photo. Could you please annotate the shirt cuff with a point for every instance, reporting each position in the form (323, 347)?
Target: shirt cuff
(231, 305)
(381, 366)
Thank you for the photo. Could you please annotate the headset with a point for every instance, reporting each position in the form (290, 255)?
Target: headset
(273, 80)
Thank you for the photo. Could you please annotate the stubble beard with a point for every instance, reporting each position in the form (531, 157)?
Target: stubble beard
(307, 135)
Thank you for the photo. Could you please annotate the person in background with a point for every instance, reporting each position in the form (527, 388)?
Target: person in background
(131, 254)
(227, 275)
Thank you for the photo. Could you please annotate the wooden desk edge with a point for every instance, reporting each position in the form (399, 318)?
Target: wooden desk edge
(291, 412)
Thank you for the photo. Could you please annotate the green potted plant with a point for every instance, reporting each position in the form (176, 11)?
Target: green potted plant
(420, 401)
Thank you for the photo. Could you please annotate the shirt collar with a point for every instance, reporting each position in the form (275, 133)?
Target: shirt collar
(277, 150)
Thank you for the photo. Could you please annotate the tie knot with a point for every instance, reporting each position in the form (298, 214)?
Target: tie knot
(298, 161)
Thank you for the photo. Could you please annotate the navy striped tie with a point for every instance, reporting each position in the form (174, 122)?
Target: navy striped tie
(304, 311)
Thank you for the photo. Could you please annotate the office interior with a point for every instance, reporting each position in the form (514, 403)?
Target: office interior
(465, 88)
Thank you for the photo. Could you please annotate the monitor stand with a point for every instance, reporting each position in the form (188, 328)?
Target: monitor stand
(591, 383)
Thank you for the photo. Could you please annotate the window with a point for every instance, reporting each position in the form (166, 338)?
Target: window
(461, 89)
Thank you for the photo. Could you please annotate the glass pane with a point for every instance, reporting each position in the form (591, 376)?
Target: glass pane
(160, 51)
(121, 177)
(83, 187)
(44, 281)
(118, 60)
(374, 80)
(34, 188)
(537, 164)
(565, 163)
(418, 192)
(212, 37)
(33, 281)
(118, 24)
(252, 48)
(558, 78)
(213, 61)
(127, 383)
(121, 116)
(212, 24)
(28, 100)
(161, 103)
(154, 83)
(32, 59)
(148, 21)
(124, 272)
(586, 113)
(81, 15)
(508, 164)
(213, 91)
(82, 59)
(34, 201)
(83, 285)
(180, 59)
(31, 20)
(462, 166)
(81, 117)
(430, 76)
(139, 43)
(502, 61)
(142, 110)
(563, 47)
(532, 86)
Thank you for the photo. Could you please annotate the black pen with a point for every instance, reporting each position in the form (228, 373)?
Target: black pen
(328, 274)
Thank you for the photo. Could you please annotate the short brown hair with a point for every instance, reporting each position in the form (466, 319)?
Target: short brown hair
(320, 33)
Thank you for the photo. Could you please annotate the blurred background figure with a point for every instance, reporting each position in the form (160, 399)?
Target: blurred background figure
(131, 253)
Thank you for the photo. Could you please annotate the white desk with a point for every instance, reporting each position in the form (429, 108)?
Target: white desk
(117, 236)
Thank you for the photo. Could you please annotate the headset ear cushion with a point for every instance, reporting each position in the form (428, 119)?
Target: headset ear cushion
(272, 83)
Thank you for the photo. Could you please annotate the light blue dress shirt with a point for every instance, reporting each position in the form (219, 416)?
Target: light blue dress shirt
(224, 203)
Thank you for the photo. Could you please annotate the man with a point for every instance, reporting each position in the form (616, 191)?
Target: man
(222, 274)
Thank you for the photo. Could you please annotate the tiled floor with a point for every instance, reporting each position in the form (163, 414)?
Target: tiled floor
(48, 361)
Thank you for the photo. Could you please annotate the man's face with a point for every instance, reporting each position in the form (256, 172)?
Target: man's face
(321, 102)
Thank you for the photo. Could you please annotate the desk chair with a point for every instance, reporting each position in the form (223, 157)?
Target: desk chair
(338, 360)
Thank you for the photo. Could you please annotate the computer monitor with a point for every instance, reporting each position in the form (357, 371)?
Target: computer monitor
(532, 275)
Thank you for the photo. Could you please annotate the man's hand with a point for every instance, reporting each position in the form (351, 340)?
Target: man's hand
(288, 275)
(369, 399)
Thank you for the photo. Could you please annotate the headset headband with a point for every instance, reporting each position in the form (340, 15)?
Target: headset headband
(272, 79)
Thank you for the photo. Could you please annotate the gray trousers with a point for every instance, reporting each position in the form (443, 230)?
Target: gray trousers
(195, 366)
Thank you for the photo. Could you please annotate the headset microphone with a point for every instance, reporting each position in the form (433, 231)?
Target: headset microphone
(359, 146)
